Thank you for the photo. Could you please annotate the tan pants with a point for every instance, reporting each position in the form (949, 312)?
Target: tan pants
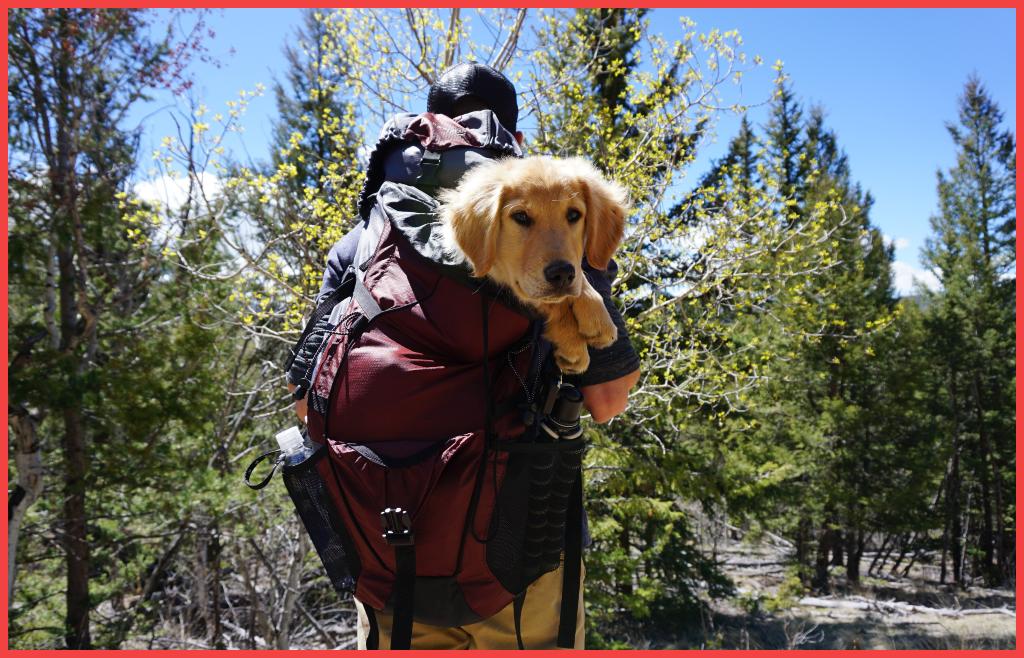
(539, 624)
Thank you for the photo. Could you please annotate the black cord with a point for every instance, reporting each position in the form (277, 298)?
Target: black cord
(488, 431)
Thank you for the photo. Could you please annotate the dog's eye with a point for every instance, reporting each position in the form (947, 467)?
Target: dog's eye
(573, 215)
(520, 217)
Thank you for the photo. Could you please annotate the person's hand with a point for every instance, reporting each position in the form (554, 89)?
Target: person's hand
(300, 405)
(609, 399)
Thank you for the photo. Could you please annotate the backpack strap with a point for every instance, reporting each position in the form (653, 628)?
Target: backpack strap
(398, 533)
(373, 635)
(371, 309)
(517, 616)
(405, 588)
(571, 574)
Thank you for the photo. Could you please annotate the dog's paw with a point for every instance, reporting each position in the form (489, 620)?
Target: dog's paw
(572, 360)
(597, 329)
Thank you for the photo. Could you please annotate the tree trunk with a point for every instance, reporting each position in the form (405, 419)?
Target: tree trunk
(76, 541)
(625, 587)
(945, 549)
(837, 549)
(854, 546)
(803, 536)
(826, 541)
(216, 638)
(953, 508)
(955, 522)
(987, 538)
(29, 465)
(879, 561)
(292, 592)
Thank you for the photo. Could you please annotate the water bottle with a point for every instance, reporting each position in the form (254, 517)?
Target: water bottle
(294, 447)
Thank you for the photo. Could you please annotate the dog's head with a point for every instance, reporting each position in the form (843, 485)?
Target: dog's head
(527, 223)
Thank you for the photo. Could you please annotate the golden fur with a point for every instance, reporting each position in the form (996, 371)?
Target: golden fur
(514, 218)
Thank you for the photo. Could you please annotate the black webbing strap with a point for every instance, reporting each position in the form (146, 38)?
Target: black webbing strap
(405, 590)
(517, 616)
(373, 637)
(262, 483)
(571, 574)
(366, 301)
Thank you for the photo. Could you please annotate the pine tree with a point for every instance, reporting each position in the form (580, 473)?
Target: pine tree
(782, 136)
(814, 418)
(972, 322)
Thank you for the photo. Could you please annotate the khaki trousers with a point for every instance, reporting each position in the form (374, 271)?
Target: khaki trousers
(540, 617)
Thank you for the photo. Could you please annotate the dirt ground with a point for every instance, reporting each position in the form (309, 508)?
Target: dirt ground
(916, 612)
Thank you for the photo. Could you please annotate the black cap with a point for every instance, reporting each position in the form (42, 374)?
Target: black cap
(491, 90)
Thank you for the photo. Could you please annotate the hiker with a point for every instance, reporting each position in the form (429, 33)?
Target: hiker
(489, 100)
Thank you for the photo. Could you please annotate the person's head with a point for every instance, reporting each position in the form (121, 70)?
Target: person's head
(471, 86)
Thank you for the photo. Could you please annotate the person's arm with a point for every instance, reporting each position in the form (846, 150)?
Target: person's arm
(607, 400)
(300, 404)
(614, 370)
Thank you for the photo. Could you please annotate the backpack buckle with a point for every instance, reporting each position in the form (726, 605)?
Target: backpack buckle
(397, 526)
(429, 166)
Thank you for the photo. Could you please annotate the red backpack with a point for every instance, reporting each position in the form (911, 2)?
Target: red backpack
(447, 476)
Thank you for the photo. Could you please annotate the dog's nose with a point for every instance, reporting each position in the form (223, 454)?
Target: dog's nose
(560, 273)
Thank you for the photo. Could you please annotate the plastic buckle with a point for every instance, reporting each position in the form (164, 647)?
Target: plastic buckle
(429, 165)
(397, 527)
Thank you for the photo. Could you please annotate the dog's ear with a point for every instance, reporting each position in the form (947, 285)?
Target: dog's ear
(607, 206)
(472, 213)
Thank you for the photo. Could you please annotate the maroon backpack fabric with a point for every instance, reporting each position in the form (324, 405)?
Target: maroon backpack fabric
(410, 391)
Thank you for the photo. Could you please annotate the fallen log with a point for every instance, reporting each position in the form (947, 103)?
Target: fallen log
(861, 603)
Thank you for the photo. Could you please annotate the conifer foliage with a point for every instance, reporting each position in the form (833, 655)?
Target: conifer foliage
(785, 387)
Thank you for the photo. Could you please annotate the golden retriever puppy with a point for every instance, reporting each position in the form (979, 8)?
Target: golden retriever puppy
(527, 224)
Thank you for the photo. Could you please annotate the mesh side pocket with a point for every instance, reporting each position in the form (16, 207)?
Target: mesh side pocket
(528, 527)
(317, 513)
(545, 535)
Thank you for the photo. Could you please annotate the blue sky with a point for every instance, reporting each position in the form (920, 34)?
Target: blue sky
(887, 78)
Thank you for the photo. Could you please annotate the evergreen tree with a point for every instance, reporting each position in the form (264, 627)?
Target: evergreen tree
(972, 322)
(812, 421)
(784, 142)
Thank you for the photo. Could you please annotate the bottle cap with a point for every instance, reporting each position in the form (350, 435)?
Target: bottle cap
(290, 440)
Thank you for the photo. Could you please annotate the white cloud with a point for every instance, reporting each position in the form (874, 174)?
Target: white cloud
(897, 243)
(171, 193)
(906, 276)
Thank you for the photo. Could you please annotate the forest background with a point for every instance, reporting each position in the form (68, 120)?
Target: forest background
(790, 390)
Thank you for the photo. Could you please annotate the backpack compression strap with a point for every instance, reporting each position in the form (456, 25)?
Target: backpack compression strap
(398, 533)
(571, 575)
